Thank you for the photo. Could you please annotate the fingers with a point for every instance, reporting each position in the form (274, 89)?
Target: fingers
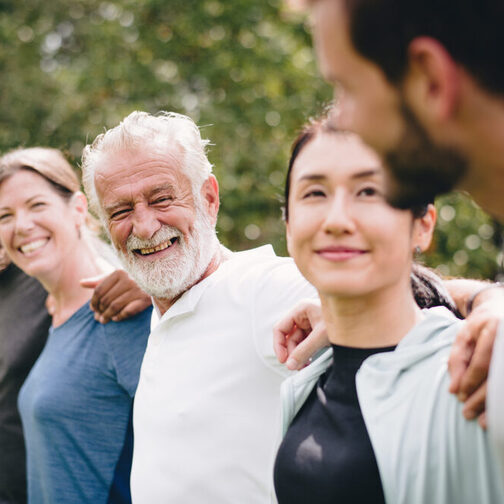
(470, 359)
(460, 357)
(285, 334)
(281, 332)
(295, 325)
(113, 308)
(118, 297)
(132, 308)
(104, 293)
(92, 282)
(306, 349)
(477, 371)
(296, 338)
(475, 404)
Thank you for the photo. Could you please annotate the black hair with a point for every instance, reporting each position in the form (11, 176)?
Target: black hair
(470, 30)
(306, 135)
(429, 290)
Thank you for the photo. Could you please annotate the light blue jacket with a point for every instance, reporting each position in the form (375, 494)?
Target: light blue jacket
(427, 453)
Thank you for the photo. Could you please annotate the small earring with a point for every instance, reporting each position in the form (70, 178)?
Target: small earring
(417, 251)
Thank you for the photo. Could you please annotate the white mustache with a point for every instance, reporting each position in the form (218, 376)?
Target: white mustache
(165, 234)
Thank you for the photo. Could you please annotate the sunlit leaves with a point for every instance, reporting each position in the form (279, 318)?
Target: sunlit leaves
(243, 69)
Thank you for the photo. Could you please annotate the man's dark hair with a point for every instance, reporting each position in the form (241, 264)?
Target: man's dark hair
(470, 30)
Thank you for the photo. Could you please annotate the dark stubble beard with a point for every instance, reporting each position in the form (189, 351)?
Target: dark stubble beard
(419, 170)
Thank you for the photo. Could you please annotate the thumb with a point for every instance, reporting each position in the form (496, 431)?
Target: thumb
(91, 282)
(460, 356)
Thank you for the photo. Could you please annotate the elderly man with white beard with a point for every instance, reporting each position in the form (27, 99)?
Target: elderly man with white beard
(207, 404)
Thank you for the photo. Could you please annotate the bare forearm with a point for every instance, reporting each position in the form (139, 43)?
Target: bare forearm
(462, 289)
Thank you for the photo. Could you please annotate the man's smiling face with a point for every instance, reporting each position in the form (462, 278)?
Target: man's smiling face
(154, 221)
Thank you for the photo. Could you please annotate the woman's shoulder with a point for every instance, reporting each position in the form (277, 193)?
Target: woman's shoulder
(137, 323)
(439, 326)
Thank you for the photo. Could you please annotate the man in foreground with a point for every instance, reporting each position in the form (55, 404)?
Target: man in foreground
(207, 404)
(423, 84)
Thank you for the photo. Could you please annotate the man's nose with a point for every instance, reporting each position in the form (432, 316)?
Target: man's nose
(145, 223)
(341, 116)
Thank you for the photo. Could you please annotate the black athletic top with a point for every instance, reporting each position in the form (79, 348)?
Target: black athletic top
(326, 455)
(24, 323)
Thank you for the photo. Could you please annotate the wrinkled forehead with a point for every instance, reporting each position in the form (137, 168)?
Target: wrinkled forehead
(130, 175)
(136, 156)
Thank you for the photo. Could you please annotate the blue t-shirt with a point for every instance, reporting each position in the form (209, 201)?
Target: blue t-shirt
(75, 405)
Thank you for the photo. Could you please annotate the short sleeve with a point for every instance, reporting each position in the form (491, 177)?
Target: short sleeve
(126, 342)
(280, 287)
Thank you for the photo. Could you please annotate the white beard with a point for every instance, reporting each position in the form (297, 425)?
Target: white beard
(169, 277)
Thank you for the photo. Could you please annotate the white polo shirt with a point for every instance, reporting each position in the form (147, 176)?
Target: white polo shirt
(206, 414)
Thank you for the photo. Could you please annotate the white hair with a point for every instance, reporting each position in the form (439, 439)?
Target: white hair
(140, 130)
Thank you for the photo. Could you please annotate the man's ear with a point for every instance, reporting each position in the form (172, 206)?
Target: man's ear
(432, 82)
(210, 197)
(423, 229)
(80, 207)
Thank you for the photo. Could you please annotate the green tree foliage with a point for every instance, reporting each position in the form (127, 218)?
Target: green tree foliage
(241, 69)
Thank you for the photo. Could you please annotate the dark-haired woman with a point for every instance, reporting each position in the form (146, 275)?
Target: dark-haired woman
(75, 404)
(372, 419)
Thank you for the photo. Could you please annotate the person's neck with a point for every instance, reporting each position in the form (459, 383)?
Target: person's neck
(63, 286)
(484, 146)
(222, 254)
(376, 320)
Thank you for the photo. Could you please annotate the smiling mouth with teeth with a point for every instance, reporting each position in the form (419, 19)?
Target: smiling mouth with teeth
(157, 248)
(32, 246)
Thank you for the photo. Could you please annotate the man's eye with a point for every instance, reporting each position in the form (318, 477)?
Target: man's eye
(164, 199)
(5, 216)
(119, 214)
(38, 204)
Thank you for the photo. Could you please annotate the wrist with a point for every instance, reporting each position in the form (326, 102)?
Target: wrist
(481, 294)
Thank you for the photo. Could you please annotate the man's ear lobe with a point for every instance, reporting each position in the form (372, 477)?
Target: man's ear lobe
(432, 83)
(210, 195)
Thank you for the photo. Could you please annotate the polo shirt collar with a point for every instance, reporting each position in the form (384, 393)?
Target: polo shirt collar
(189, 300)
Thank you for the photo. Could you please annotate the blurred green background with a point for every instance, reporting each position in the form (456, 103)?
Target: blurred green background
(243, 70)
